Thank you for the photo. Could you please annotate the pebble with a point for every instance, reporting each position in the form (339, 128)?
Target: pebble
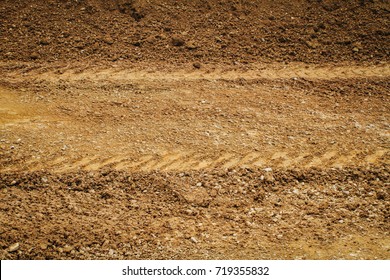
(199, 184)
(194, 240)
(189, 212)
(34, 55)
(262, 177)
(13, 247)
(268, 169)
(108, 40)
(178, 42)
(67, 249)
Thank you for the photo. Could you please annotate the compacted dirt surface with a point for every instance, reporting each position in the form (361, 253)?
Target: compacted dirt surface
(169, 129)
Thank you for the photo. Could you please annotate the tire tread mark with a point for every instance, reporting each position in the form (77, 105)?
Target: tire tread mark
(190, 160)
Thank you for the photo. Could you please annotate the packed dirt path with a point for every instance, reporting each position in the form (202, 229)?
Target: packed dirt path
(215, 129)
(126, 119)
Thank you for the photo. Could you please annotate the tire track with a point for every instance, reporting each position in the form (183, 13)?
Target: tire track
(181, 161)
(191, 160)
(272, 72)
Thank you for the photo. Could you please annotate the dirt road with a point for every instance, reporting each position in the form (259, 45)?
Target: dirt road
(184, 151)
(196, 157)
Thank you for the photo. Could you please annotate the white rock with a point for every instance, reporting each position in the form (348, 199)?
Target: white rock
(194, 240)
(13, 247)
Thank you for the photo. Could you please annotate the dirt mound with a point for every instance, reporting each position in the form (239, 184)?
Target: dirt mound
(203, 31)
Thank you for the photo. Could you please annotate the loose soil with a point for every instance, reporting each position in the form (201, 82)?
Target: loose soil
(194, 130)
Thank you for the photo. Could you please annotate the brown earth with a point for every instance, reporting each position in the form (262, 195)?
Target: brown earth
(211, 31)
(194, 130)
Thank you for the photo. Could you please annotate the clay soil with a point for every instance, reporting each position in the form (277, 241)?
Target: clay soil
(169, 129)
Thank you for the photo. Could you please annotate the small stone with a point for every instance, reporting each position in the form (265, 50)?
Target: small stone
(196, 65)
(43, 246)
(108, 40)
(355, 49)
(177, 42)
(262, 177)
(194, 240)
(44, 42)
(67, 249)
(268, 169)
(44, 179)
(111, 252)
(199, 184)
(191, 45)
(13, 247)
(13, 183)
(34, 56)
(279, 236)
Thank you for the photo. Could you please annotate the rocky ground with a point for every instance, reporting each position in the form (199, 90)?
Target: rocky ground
(194, 129)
